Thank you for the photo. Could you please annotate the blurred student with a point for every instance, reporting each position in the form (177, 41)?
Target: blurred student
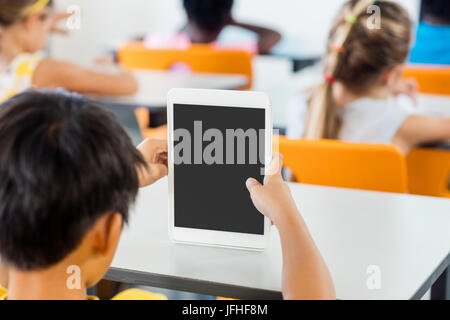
(24, 28)
(432, 44)
(211, 22)
(361, 98)
(69, 174)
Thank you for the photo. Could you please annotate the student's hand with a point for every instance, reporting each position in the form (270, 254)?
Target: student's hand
(155, 154)
(56, 19)
(273, 199)
(409, 87)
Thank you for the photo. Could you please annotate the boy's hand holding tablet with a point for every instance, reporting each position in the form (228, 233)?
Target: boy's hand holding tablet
(273, 199)
(155, 154)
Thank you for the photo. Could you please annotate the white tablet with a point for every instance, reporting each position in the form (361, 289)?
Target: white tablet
(217, 139)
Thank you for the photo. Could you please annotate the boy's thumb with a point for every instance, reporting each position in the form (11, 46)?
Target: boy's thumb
(253, 185)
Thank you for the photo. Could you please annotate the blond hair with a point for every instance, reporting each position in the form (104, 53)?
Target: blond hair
(356, 57)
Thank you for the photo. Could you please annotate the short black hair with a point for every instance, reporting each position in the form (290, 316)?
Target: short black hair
(210, 15)
(437, 8)
(64, 163)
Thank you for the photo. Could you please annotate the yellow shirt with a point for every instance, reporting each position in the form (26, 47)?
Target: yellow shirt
(18, 77)
(3, 293)
(131, 294)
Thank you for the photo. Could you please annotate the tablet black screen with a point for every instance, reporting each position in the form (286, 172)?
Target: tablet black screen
(215, 151)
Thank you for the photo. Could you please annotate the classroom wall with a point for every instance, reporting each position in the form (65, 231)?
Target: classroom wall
(105, 23)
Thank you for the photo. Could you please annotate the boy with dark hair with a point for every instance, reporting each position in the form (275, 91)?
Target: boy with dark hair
(433, 34)
(69, 174)
(207, 19)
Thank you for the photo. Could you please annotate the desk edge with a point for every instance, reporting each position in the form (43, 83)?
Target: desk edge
(190, 285)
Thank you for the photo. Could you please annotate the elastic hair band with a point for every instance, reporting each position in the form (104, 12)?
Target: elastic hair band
(38, 6)
(351, 19)
(337, 48)
(329, 79)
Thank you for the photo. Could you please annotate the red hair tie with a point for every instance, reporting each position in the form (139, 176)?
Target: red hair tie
(337, 48)
(329, 79)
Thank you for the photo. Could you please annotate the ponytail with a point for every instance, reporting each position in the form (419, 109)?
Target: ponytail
(323, 121)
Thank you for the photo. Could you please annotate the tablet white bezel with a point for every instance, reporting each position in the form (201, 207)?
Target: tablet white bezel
(221, 98)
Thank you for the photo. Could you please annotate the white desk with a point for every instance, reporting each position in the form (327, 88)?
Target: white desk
(407, 236)
(434, 105)
(154, 85)
(153, 89)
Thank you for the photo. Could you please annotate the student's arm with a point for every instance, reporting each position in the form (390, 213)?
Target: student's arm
(420, 129)
(267, 38)
(155, 155)
(54, 73)
(305, 275)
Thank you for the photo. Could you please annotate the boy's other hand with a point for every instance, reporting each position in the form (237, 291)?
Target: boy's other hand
(155, 154)
(273, 199)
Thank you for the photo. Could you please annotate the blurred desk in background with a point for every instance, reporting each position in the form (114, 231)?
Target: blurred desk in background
(434, 105)
(153, 89)
(154, 85)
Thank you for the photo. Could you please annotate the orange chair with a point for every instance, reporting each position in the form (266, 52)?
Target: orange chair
(432, 80)
(429, 172)
(143, 119)
(200, 58)
(347, 165)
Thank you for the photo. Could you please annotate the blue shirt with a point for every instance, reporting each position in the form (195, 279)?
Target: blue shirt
(432, 44)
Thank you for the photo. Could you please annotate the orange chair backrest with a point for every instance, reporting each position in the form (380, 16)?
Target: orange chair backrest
(346, 165)
(142, 115)
(429, 172)
(432, 80)
(199, 58)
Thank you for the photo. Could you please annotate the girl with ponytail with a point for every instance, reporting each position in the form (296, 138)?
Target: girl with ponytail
(24, 29)
(359, 98)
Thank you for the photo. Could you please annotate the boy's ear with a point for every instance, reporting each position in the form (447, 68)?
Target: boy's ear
(106, 233)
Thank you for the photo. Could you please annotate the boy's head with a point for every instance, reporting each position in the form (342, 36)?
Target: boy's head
(437, 9)
(209, 15)
(29, 20)
(68, 176)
